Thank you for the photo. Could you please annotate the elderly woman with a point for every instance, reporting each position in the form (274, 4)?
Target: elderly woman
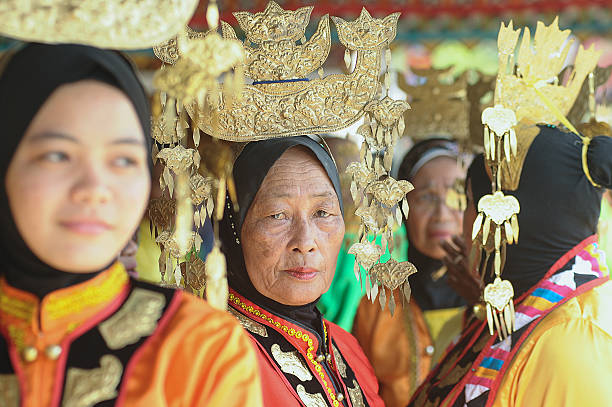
(281, 249)
(402, 347)
(75, 329)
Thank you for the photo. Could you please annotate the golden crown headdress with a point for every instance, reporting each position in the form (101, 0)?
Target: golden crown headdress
(283, 101)
(117, 24)
(527, 92)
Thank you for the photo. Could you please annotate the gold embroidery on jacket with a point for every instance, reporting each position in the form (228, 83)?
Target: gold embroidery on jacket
(86, 387)
(356, 395)
(291, 363)
(135, 319)
(9, 389)
(310, 400)
(339, 362)
(249, 324)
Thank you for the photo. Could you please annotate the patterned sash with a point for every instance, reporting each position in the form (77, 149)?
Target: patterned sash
(470, 377)
(581, 273)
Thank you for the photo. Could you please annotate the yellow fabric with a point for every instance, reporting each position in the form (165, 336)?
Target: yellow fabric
(147, 255)
(437, 318)
(567, 360)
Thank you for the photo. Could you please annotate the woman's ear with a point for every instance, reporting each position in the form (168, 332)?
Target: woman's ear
(599, 160)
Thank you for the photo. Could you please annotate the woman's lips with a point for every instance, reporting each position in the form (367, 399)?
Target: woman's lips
(88, 227)
(302, 273)
(440, 235)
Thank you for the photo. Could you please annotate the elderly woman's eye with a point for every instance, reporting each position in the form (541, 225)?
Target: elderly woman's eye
(322, 213)
(278, 216)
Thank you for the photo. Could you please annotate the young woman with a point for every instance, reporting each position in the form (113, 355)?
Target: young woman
(75, 330)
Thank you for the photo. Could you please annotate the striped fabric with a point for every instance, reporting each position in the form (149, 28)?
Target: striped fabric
(587, 266)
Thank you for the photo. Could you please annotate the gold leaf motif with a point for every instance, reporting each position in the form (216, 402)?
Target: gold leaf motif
(291, 363)
(499, 207)
(195, 275)
(366, 254)
(178, 159)
(249, 324)
(310, 400)
(339, 362)
(499, 293)
(170, 243)
(387, 111)
(274, 23)
(370, 218)
(162, 212)
(9, 388)
(499, 119)
(367, 32)
(116, 24)
(360, 173)
(201, 188)
(136, 319)
(355, 395)
(538, 64)
(87, 387)
(202, 59)
(389, 191)
(392, 274)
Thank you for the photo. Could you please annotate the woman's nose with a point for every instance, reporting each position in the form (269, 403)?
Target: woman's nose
(303, 239)
(91, 187)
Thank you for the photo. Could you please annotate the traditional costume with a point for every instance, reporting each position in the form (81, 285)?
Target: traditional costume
(528, 353)
(304, 359)
(401, 347)
(101, 338)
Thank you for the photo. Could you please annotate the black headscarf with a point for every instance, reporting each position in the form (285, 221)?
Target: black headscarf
(428, 293)
(250, 169)
(559, 206)
(29, 78)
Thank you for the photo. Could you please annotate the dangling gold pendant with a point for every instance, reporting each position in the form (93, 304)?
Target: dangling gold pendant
(500, 308)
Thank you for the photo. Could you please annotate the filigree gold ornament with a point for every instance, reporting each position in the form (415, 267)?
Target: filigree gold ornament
(136, 318)
(87, 387)
(499, 133)
(291, 363)
(116, 24)
(392, 275)
(282, 101)
(534, 92)
(366, 254)
(500, 307)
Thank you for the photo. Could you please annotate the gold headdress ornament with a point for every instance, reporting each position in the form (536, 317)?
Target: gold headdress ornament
(117, 24)
(526, 93)
(282, 101)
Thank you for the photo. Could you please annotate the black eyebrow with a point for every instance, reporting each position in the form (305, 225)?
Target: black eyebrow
(317, 195)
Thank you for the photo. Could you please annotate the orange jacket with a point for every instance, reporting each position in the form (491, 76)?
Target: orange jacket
(115, 339)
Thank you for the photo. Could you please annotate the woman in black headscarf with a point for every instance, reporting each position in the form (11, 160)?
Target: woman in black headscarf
(402, 347)
(561, 350)
(281, 248)
(74, 328)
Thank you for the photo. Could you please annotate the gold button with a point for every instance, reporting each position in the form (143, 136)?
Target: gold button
(329, 358)
(53, 352)
(320, 358)
(30, 353)
(340, 397)
(429, 350)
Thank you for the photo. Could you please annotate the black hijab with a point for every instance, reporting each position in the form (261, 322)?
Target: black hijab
(429, 293)
(29, 78)
(250, 169)
(559, 206)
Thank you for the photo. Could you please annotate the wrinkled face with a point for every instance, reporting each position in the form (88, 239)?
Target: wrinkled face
(79, 181)
(293, 230)
(431, 221)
